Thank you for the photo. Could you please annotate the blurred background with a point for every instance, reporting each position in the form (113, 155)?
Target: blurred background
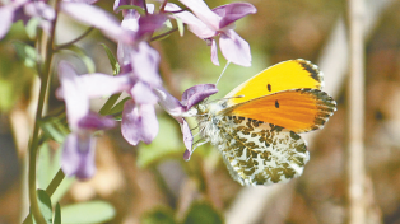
(153, 184)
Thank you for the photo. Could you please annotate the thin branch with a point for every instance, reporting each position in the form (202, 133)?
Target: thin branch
(356, 114)
(145, 8)
(66, 45)
(163, 6)
(163, 35)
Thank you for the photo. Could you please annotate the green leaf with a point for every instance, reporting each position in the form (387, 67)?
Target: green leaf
(45, 205)
(43, 163)
(62, 188)
(57, 215)
(106, 108)
(114, 63)
(180, 26)
(65, 183)
(31, 27)
(86, 59)
(138, 8)
(87, 212)
(27, 53)
(119, 107)
(159, 216)
(50, 130)
(202, 212)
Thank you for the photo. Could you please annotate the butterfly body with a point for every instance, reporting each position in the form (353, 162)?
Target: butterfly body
(255, 126)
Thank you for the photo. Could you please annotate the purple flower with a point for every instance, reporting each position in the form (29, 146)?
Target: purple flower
(129, 32)
(180, 109)
(210, 23)
(139, 122)
(78, 149)
(139, 68)
(99, 18)
(25, 10)
(78, 155)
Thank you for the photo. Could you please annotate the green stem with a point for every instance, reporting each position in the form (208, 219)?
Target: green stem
(163, 35)
(35, 135)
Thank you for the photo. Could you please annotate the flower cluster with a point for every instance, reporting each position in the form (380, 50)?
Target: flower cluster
(139, 67)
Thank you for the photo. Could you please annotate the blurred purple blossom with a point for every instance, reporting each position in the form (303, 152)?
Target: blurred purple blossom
(129, 32)
(207, 24)
(76, 90)
(139, 122)
(79, 148)
(99, 18)
(25, 10)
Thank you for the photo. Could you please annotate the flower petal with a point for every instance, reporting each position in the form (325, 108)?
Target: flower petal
(139, 123)
(232, 12)
(197, 94)
(196, 26)
(78, 155)
(214, 52)
(94, 122)
(235, 49)
(130, 22)
(145, 64)
(69, 157)
(142, 93)
(90, 2)
(99, 18)
(97, 85)
(169, 102)
(40, 9)
(86, 156)
(76, 99)
(131, 123)
(187, 154)
(6, 18)
(150, 23)
(186, 134)
(203, 12)
(150, 122)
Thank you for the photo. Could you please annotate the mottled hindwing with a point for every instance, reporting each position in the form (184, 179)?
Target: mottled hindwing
(260, 153)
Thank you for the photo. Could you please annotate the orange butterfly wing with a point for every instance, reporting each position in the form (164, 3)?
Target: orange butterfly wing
(298, 110)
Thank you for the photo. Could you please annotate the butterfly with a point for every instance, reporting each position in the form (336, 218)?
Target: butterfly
(256, 125)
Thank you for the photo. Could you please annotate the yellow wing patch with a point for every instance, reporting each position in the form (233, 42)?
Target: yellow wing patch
(294, 74)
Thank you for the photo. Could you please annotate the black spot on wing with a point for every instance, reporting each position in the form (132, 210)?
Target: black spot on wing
(276, 104)
(269, 87)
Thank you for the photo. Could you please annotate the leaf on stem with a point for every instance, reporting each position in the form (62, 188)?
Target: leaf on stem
(106, 108)
(113, 61)
(45, 205)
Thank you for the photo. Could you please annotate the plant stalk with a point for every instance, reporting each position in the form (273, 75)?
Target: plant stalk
(33, 152)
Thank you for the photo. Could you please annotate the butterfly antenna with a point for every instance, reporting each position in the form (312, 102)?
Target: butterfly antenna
(226, 98)
(226, 66)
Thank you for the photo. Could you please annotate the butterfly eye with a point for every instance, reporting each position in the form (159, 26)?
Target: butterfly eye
(224, 104)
